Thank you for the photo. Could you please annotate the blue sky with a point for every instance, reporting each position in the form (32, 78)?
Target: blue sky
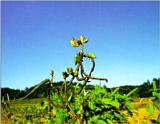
(36, 36)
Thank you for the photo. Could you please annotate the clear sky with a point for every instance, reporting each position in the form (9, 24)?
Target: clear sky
(36, 36)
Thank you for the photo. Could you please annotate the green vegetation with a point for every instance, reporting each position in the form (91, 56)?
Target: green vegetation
(70, 102)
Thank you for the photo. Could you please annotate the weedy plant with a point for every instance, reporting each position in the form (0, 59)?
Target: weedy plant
(72, 103)
(69, 101)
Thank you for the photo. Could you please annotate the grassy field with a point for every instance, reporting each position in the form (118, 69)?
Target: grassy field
(14, 104)
(140, 115)
(27, 102)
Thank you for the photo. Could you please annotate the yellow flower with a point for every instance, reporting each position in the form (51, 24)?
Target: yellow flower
(74, 42)
(83, 39)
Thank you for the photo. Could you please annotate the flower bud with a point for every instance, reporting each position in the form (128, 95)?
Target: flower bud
(52, 72)
(64, 75)
(70, 70)
(75, 73)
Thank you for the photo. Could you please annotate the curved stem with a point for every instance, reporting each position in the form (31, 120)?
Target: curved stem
(70, 82)
(89, 76)
(87, 79)
(81, 79)
(35, 88)
(96, 78)
(74, 114)
(65, 86)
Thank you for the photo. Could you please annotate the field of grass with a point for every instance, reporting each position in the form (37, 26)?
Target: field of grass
(140, 115)
(27, 102)
(15, 104)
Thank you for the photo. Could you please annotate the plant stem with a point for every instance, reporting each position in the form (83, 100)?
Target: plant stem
(40, 84)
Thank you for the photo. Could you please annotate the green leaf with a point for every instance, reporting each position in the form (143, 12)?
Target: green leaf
(131, 92)
(156, 103)
(91, 55)
(60, 116)
(150, 109)
(50, 121)
(101, 122)
(116, 90)
(158, 119)
(115, 103)
(130, 105)
(108, 101)
(109, 121)
(76, 87)
(154, 86)
(70, 97)
(75, 60)
(91, 105)
(118, 115)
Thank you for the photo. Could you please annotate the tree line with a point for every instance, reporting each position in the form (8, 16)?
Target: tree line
(144, 90)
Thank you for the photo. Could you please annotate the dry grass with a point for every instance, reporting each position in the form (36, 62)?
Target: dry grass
(141, 115)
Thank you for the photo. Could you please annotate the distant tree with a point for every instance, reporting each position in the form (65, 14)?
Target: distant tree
(145, 90)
